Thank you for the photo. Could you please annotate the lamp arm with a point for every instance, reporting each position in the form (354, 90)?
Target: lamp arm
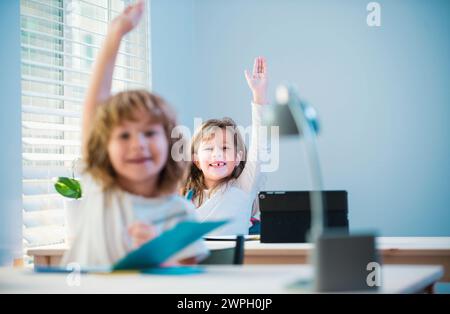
(312, 156)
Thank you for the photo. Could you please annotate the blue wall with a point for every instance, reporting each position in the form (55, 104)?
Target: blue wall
(10, 133)
(382, 93)
(172, 41)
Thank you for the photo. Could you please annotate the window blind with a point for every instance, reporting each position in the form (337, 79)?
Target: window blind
(59, 42)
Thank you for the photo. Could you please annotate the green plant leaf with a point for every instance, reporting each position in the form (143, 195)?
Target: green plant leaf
(68, 187)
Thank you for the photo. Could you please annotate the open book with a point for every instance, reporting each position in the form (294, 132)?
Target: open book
(153, 253)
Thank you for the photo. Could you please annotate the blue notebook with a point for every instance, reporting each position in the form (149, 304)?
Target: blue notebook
(155, 252)
(162, 248)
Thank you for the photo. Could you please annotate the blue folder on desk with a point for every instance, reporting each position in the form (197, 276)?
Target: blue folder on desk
(157, 251)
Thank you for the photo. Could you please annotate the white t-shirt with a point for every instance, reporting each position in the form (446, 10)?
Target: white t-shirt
(176, 209)
(102, 235)
(228, 203)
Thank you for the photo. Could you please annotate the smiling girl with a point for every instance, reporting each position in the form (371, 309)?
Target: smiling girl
(224, 178)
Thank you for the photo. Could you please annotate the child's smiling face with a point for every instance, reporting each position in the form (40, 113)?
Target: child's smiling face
(217, 157)
(138, 150)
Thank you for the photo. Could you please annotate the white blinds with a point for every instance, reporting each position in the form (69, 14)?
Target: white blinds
(59, 40)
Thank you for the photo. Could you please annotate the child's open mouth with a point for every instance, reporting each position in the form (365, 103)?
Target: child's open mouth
(218, 164)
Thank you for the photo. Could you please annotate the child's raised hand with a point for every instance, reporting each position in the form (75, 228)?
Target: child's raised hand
(257, 81)
(140, 233)
(129, 18)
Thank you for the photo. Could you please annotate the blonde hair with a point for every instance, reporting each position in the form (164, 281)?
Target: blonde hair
(196, 180)
(123, 107)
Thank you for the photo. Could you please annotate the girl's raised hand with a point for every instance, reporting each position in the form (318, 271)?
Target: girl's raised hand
(257, 81)
(129, 18)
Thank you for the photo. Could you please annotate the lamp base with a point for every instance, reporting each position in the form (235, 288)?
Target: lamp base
(346, 263)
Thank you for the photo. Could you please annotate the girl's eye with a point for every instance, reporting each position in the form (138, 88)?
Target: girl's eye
(124, 136)
(208, 148)
(225, 148)
(150, 133)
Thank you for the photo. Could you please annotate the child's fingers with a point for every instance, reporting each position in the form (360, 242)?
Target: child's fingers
(128, 9)
(135, 11)
(135, 225)
(170, 264)
(140, 229)
(134, 6)
(138, 242)
(255, 66)
(259, 69)
(247, 76)
(139, 6)
(263, 65)
(142, 234)
(139, 3)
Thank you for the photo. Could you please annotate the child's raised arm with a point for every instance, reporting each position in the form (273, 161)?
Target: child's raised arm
(258, 83)
(99, 88)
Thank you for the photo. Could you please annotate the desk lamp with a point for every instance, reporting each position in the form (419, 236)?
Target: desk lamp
(340, 261)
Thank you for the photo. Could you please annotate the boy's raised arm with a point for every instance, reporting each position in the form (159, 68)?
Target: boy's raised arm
(99, 89)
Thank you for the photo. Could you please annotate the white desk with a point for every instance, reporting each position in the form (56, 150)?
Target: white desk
(393, 250)
(254, 279)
